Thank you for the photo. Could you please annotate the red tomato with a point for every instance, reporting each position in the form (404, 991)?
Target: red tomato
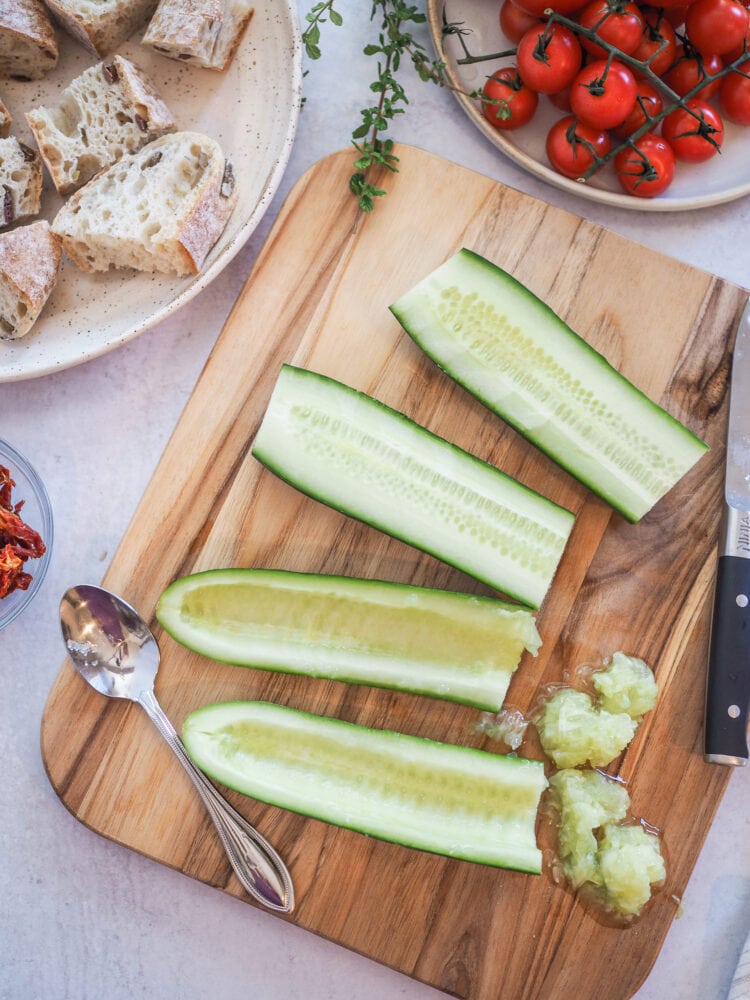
(687, 72)
(538, 7)
(739, 50)
(658, 42)
(648, 104)
(514, 104)
(648, 169)
(675, 15)
(716, 26)
(572, 146)
(548, 58)
(694, 132)
(514, 22)
(620, 24)
(603, 95)
(735, 95)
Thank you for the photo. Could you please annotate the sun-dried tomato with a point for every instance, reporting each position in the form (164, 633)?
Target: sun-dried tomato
(18, 541)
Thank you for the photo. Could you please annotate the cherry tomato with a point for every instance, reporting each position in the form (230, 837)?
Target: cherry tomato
(572, 146)
(548, 58)
(688, 70)
(658, 42)
(538, 7)
(675, 15)
(648, 169)
(514, 103)
(617, 22)
(648, 104)
(716, 26)
(694, 132)
(603, 95)
(735, 95)
(514, 22)
(739, 50)
(676, 10)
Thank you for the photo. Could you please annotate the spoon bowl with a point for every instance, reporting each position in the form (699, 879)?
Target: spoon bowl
(111, 646)
(115, 652)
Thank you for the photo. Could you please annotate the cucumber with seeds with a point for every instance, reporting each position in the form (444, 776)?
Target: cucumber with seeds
(456, 646)
(353, 453)
(511, 351)
(437, 797)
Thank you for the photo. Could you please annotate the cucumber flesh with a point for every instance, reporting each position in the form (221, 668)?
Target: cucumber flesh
(511, 351)
(437, 797)
(455, 646)
(373, 463)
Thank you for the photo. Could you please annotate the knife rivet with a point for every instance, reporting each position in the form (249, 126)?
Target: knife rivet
(733, 711)
(741, 600)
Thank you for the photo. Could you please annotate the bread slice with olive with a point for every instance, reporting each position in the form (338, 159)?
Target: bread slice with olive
(20, 181)
(160, 209)
(109, 110)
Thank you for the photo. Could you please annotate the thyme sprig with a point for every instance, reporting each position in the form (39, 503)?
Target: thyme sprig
(395, 44)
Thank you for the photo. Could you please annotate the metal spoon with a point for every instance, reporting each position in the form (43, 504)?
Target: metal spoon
(115, 652)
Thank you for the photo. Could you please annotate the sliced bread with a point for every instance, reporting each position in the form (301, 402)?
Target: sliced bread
(20, 181)
(28, 46)
(29, 263)
(204, 32)
(110, 110)
(101, 25)
(160, 209)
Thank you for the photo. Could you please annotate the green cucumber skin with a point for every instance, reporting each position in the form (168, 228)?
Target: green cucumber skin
(504, 586)
(401, 310)
(488, 693)
(200, 725)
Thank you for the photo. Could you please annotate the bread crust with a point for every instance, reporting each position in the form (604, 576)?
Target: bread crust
(102, 27)
(5, 121)
(29, 44)
(30, 259)
(203, 32)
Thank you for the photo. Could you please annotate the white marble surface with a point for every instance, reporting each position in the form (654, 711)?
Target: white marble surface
(82, 918)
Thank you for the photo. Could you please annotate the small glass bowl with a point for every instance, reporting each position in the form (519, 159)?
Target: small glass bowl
(37, 513)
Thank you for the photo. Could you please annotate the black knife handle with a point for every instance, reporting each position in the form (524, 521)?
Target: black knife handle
(728, 687)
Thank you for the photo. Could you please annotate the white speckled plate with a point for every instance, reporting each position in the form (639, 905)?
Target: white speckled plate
(724, 178)
(251, 110)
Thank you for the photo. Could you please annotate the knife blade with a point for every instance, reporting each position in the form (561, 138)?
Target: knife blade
(728, 683)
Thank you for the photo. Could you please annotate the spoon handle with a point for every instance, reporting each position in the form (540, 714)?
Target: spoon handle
(255, 862)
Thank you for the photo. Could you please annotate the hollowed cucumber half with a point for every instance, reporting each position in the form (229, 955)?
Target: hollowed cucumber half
(510, 350)
(455, 646)
(437, 797)
(371, 462)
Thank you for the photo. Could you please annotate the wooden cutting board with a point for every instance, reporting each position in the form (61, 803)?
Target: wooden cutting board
(318, 297)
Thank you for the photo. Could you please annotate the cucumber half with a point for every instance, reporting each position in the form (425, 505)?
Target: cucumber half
(438, 797)
(353, 453)
(510, 350)
(454, 646)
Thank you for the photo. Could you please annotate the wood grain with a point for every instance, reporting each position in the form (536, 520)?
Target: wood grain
(318, 297)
